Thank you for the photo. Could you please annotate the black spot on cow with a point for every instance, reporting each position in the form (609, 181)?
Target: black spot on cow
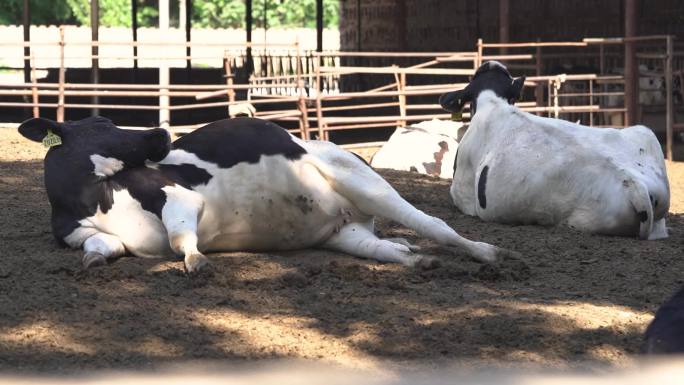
(186, 175)
(455, 160)
(643, 216)
(231, 141)
(481, 186)
(145, 185)
(304, 204)
(665, 334)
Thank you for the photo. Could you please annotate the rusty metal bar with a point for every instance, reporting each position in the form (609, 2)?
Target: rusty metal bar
(631, 70)
(34, 90)
(62, 70)
(669, 109)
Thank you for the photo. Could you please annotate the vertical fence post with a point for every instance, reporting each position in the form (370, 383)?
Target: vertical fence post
(556, 87)
(548, 100)
(480, 49)
(34, 87)
(229, 77)
(669, 105)
(319, 103)
(539, 90)
(60, 93)
(591, 102)
(164, 75)
(401, 86)
(301, 101)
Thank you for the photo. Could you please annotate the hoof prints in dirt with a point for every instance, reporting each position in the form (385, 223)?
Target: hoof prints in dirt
(509, 270)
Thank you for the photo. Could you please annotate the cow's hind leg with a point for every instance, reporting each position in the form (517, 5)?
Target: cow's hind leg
(357, 239)
(180, 215)
(101, 247)
(403, 241)
(369, 192)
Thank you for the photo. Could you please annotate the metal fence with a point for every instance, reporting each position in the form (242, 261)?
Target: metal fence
(308, 89)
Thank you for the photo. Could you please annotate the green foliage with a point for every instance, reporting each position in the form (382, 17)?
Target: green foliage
(218, 13)
(42, 12)
(280, 13)
(115, 13)
(206, 13)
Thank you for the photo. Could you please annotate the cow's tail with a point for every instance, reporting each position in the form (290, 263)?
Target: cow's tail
(640, 198)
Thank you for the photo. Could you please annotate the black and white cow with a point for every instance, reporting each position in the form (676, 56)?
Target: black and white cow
(236, 184)
(427, 148)
(515, 167)
(665, 334)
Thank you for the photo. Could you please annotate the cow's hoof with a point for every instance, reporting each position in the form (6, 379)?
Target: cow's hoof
(195, 263)
(428, 263)
(93, 259)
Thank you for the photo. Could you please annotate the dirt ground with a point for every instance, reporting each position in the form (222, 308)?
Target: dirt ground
(573, 301)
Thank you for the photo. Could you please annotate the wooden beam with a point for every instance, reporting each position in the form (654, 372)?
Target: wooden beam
(26, 21)
(504, 23)
(319, 25)
(164, 110)
(248, 30)
(188, 31)
(631, 70)
(134, 28)
(669, 106)
(94, 36)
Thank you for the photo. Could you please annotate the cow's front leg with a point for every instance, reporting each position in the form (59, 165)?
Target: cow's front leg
(180, 215)
(101, 247)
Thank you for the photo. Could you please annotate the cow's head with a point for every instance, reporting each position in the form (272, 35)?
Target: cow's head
(492, 76)
(96, 146)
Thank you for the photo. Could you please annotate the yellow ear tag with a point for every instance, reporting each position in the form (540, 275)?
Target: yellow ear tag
(51, 139)
(457, 116)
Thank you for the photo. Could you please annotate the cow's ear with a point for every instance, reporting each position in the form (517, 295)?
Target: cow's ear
(516, 89)
(454, 101)
(36, 129)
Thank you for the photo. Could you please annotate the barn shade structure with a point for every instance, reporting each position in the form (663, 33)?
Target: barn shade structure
(455, 25)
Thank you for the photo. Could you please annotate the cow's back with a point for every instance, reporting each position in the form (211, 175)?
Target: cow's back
(229, 142)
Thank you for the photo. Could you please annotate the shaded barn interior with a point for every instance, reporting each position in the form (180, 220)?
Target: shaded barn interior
(448, 25)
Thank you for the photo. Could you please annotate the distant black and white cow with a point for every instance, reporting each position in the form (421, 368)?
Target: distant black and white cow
(665, 334)
(515, 167)
(237, 184)
(426, 147)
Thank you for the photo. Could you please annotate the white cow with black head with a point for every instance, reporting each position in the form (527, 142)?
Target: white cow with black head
(236, 184)
(515, 167)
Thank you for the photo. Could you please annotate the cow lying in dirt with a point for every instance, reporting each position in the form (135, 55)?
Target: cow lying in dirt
(515, 167)
(236, 184)
(427, 148)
